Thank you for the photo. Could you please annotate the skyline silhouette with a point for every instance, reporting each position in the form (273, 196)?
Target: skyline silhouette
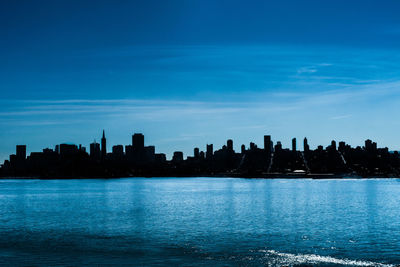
(270, 161)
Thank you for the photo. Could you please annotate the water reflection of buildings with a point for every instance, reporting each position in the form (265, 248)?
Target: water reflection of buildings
(140, 160)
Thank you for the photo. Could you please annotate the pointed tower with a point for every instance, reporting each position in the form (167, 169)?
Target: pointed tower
(103, 146)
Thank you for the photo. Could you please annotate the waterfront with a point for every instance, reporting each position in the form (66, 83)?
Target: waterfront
(200, 221)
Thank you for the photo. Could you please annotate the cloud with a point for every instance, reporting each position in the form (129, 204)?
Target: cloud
(306, 70)
(341, 117)
(313, 68)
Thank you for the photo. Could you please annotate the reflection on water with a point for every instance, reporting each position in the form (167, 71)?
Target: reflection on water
(200, 221)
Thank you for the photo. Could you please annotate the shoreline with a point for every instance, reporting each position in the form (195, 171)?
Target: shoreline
(262, 176)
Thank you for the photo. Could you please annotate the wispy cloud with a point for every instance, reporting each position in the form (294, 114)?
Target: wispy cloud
(341, 117)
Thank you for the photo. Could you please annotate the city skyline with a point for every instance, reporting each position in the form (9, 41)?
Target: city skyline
(138, 140)
(270, 160)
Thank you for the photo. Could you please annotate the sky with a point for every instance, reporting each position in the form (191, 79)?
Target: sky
(189, 73)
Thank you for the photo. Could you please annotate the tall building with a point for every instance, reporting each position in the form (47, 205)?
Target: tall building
(209, 151)
(368, 145)
(278, 146)
(252, 146)
(178, 156)
(333, 145)
(196, 152)
(267, 143)
(294, 144)
(118, 151)
(21, 152)
(229, 144)
(138, 141)
(243, 149)
(68, 149)
(103, 146)
(342, 146)
(95, 150)
(306, 147)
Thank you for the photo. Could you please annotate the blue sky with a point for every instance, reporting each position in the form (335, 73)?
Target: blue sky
(188, 73)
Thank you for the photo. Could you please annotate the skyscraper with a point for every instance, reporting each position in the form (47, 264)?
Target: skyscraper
(229, 144)
(196, 152)
(267, 143)
(306, 147)
(21, 152)
(294, 144)
(103, 146)
(95, 150)
(333, 145)
(138, 141)
(210, 151)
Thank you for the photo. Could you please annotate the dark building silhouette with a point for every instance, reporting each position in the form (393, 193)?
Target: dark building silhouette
(103, 146)
(118, 152)
(95, 150)
(178, 156)
(333, 145)
(70, 160)
(209, 151)
(278, 146)
(68, 150)
(196, 152)
(138, 141)
(229, 144)
(368, 145)
(149, 154)
(306, 147)
(342, 146)
(21, 152)
(267, 144)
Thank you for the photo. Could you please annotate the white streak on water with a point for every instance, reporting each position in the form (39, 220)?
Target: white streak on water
(287, 258)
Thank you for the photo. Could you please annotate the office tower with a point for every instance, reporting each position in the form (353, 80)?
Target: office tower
(267, 143)
(278, 146)
(209, 151)
(103, 146)
(178, 156)
(160, 158)
(95, 150)
(368, 145)
(196, 152)
(57, 149)
(294, 144)
(333, 145)
(21, 152)
(229, 144)
(138, 141)
(68, 150)
(202, 156)
(129, 152)
(306, 147)
(149, 153)
(118, 151)
(243, 149)
(252, 146)
(342, 146)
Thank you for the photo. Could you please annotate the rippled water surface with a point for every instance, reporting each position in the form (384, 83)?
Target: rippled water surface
(200, 221)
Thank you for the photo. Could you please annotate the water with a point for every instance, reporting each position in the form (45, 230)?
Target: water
(200, 221)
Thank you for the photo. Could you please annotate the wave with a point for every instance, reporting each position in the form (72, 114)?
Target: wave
(290, 259)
